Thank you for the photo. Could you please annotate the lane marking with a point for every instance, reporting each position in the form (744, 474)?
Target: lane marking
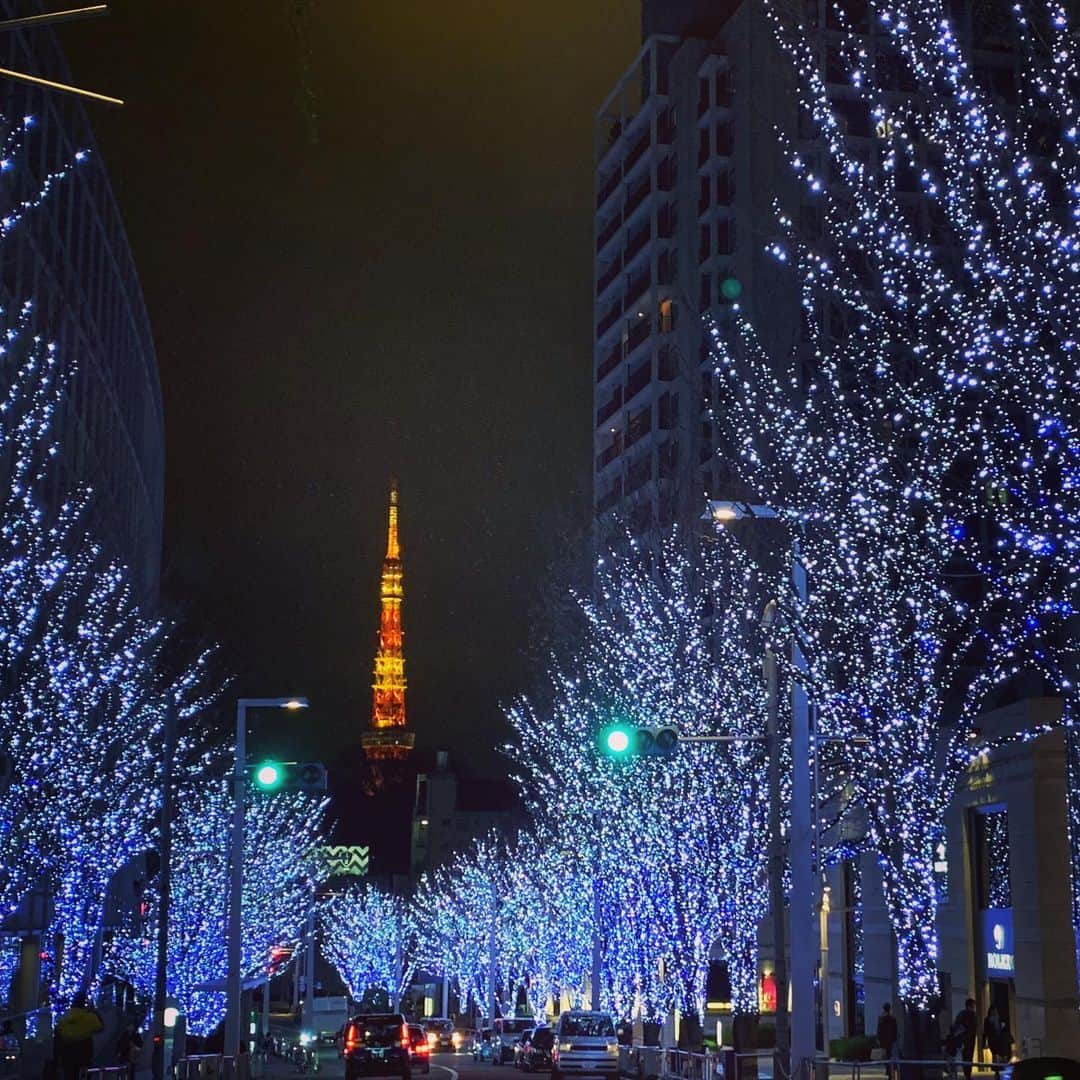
(453, 1072)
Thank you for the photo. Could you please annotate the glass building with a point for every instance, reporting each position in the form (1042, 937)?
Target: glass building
(71, 257)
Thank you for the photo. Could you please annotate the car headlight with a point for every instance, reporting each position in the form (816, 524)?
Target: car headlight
(432, 1038)
(612, 1048)
(306, 1037)
(564, 1048)
(456, 1038)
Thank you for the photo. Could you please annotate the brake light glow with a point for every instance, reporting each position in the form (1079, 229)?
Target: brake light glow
(405, 1036)
(351, 1040)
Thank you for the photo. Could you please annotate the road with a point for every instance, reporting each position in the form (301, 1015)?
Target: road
(443, 1067)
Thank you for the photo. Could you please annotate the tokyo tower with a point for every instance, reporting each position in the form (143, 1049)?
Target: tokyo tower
(387, 739)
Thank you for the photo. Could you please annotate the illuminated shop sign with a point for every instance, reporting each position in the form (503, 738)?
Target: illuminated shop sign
(998, 941)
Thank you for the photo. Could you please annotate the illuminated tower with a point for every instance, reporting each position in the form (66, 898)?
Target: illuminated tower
(388, 738)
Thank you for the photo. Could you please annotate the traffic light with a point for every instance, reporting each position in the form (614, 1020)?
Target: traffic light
(272, 776)
(624, 741)
(268, 776)
(617, 740)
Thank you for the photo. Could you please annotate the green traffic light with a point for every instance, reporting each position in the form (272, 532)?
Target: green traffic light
(731, 288)
(616, 741)
(268, 775)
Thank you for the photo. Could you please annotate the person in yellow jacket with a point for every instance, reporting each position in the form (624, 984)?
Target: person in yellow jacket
(75, 1031)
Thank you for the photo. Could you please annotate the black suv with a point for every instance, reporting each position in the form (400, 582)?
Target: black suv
(377, 1045)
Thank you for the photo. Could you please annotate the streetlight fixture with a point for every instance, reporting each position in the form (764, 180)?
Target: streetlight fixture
(234, 978)
(795, 1031)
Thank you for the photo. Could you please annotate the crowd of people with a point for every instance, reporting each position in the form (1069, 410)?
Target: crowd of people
(959, 1040)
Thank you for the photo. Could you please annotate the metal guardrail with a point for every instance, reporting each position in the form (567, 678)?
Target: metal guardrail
(903, 1068)
(205, 1067)
(664, 1063)
(105, 1072)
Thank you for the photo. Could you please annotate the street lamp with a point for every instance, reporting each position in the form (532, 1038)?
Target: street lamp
(795, 1032)
(234, 977)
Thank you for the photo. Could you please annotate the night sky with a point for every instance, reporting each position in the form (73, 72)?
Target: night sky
(409, 295)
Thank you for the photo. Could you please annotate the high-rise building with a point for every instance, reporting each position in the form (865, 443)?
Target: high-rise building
(690, 169)
(388, 738)
(687, 168)
(70, 256)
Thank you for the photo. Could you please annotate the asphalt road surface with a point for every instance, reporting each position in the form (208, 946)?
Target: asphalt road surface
(443, 1067)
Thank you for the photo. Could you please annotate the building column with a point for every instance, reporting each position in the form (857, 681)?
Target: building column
(1047, 1017)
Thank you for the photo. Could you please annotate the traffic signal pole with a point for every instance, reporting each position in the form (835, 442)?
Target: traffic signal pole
(234, 977)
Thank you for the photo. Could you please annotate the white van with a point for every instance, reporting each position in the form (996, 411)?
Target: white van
(505, 1031)
(585, 1042)
(329, 1016)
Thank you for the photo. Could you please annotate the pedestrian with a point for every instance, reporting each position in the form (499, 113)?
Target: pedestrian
(242, 1070)
(128, 1048)
(75, 1031)
(962, 1036)
(886, 1037)
(996, 1037)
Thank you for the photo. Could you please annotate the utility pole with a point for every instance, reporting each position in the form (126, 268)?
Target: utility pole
(157, 1064)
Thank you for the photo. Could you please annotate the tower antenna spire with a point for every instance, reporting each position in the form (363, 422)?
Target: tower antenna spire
(388, 737)
(393, 547)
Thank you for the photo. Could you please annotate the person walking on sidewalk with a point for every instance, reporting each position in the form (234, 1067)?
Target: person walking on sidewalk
(75, 1032)
(128, 1048)
(996, 1037)
(962, 1037)
(886, 1037)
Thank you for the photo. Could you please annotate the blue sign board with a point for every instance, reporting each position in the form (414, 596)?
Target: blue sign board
(997, 934)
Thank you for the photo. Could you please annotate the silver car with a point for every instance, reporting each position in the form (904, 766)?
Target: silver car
(585, 1042)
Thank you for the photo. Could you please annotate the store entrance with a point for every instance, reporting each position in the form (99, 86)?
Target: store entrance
(1000, 994)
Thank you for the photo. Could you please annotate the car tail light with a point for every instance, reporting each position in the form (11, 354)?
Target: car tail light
(351, 1040)
(405, 1036)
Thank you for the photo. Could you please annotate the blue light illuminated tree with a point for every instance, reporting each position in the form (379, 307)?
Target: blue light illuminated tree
(672, 851)
(922, 440)
(282, 831)
(368, 936)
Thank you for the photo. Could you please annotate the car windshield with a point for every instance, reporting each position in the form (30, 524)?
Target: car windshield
(440, 1025)
(586, 1026)
(543, 1039)
(515, 1027)
(378, 1030)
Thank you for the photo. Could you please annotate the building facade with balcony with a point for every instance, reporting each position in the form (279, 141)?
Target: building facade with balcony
(70, 256)
(687, 170)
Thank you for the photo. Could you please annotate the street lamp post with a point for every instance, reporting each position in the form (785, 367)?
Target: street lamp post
(164, 889)
(776, 845)
(234, 977)
(797, 1027)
